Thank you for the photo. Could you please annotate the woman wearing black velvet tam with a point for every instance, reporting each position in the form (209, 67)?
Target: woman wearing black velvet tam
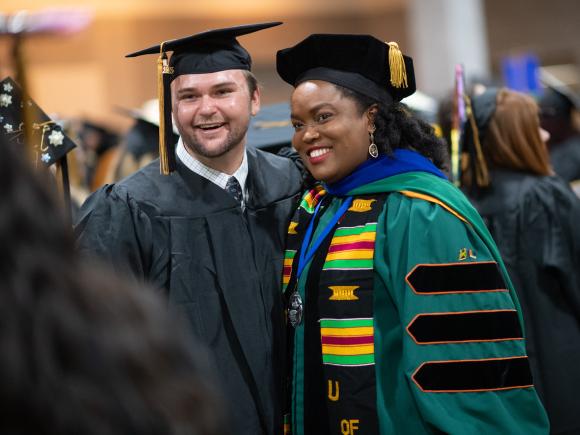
(401, 316)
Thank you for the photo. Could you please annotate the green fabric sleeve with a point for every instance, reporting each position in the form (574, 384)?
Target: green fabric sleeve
(410, 232)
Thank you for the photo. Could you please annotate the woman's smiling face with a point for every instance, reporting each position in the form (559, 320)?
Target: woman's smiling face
(331, 134)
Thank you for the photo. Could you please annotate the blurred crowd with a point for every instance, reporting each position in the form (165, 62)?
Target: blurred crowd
(106, 155)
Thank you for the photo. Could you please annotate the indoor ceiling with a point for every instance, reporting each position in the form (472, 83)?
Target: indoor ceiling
(222, 9)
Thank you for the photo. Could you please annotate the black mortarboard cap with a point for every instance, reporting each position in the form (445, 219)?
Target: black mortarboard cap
(558, 98)
(359, 62)
(483, 107)
(48, 141)
(271, 128)
(480, 110)
(206, 52)
(555, 102)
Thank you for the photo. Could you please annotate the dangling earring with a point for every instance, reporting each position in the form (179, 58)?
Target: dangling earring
(373, 149)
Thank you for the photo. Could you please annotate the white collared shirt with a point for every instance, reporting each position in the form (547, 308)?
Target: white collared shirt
(216, 177)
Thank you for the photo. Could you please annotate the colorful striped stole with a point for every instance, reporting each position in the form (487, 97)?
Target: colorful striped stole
(345, 310)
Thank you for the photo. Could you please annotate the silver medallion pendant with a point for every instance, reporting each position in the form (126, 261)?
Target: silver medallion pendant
(295, 309)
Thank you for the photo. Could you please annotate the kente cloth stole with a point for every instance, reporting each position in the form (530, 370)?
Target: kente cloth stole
(345, 311)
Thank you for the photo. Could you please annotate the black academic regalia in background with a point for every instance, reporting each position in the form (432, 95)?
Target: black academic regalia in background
(220, 266)
(565, 158)
(534, 221)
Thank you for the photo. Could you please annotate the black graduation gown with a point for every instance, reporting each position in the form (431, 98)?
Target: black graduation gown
(565, 158)
(220, 266)
(534, 221)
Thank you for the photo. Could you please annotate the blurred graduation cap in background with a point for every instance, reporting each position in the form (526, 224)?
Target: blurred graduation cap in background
(141, 142)
(24, 124)
(20, 118)
(479, 112)
(202, 53)
(143, 137)
(147, 112)
(423, 106)
(271, 128)
(23, 24)
(48, 142)
(560, 96)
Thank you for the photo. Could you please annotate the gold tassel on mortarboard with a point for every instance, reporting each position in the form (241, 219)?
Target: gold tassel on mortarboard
(481, 170)
(397, 66)
(163, 68)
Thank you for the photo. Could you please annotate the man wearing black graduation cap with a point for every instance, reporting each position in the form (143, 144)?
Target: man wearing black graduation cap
(210, 233)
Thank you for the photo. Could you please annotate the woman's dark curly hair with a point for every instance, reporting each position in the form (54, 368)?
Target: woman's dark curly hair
(81, 351)
(396, 128)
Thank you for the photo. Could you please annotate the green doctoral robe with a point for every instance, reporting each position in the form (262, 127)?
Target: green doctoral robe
(426, 385)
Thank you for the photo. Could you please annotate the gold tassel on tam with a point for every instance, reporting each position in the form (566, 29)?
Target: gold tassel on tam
(162, 69)
(397, 66)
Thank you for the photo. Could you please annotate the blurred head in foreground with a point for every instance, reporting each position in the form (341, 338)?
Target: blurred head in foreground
(81, 351)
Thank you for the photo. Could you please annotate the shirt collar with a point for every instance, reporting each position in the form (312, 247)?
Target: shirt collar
(211, 174)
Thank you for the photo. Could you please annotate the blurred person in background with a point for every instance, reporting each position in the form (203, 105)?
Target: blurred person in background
(81, 351)
(424, 107)
(209, 231)
(533, 216)
(401, 319)
(140, 145)
(445, 118)
(446, 106)
(99, 147)
(557, 108)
